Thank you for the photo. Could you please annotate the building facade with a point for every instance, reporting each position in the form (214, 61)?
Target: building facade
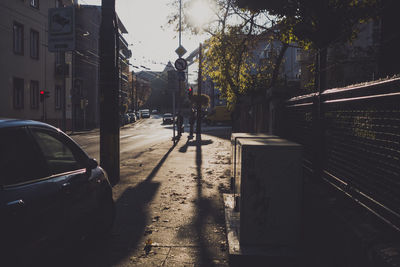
(27, 67)
(85, 68)
(71, 78)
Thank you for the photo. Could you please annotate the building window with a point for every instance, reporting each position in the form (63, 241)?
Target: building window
(18, 93)
(18, 38)
(34, 94)
(58, 97)
(34, 41)
(34, 3)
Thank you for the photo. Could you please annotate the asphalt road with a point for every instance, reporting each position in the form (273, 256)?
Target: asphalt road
(134, 138)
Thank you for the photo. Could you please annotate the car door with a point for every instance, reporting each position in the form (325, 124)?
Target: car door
(31, 208)
(66, 163)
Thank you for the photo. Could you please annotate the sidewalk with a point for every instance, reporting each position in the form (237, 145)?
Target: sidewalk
(184, 224)
(172, 214)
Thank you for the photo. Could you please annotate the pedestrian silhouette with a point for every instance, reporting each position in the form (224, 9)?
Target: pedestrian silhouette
(179, 122)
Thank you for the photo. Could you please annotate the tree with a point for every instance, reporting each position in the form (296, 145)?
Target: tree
(229, 59)
(319, 23)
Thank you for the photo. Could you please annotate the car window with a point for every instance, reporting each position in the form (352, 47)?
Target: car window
(57, 152)
(20, 159)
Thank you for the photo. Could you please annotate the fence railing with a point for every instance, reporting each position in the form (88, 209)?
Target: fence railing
(351, 138)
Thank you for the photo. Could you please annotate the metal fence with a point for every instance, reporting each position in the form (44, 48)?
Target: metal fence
(351, 138)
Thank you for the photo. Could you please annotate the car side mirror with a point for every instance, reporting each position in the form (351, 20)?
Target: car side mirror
(91, 164)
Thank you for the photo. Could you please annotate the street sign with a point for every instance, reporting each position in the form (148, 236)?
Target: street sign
(180, 64)
(180, 51)
(61, 29)
(181, 76)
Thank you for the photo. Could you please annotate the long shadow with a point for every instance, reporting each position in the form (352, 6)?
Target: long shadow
(131, 217)
(132, 213)
(184, 148)
(204, 209)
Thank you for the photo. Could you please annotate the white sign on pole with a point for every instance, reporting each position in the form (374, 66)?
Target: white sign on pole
(61, 29)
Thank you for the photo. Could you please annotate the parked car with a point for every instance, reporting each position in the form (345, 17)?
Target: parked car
(50, 189)
(132, 116)
(127, 118)
(167, 118)
(154, 111)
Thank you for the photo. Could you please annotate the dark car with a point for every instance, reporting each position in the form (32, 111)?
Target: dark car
(167, 118)
(132, 117)
(50, 190)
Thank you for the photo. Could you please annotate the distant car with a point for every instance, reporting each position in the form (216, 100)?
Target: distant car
(50, 189)
(145, 113)
(167, 118)
(154, 111)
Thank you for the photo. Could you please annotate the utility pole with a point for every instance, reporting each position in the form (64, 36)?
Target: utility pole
(109, 110)
(132, 90)
(198, 126)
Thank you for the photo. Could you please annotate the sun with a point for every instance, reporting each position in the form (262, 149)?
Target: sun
(200, 13)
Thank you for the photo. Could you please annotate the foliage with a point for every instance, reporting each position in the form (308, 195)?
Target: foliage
(229, 58)
(203, 99)
(319, 22)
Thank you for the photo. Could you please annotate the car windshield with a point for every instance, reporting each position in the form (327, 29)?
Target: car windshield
(167, 115)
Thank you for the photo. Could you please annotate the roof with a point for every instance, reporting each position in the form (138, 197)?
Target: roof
(169, 67)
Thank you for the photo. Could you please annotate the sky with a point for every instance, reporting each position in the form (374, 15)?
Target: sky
(152, 41)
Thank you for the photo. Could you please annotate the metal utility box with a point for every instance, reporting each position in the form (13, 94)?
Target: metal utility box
(234, 155)
(269, 175)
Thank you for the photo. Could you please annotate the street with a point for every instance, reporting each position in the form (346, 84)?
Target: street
(169, 197)
(136, 138)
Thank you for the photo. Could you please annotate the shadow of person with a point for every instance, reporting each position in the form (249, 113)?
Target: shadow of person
(184, 148)
(205, 210)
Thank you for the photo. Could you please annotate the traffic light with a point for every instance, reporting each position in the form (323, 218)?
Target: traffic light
(190, 92)
(43, 95)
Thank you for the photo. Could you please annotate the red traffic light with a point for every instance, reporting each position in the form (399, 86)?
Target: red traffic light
(190, 92)
(42, 92)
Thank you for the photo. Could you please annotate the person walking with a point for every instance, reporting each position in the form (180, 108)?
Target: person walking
(179, 122)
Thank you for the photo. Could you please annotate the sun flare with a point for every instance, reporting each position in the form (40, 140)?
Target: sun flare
(200, 13)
